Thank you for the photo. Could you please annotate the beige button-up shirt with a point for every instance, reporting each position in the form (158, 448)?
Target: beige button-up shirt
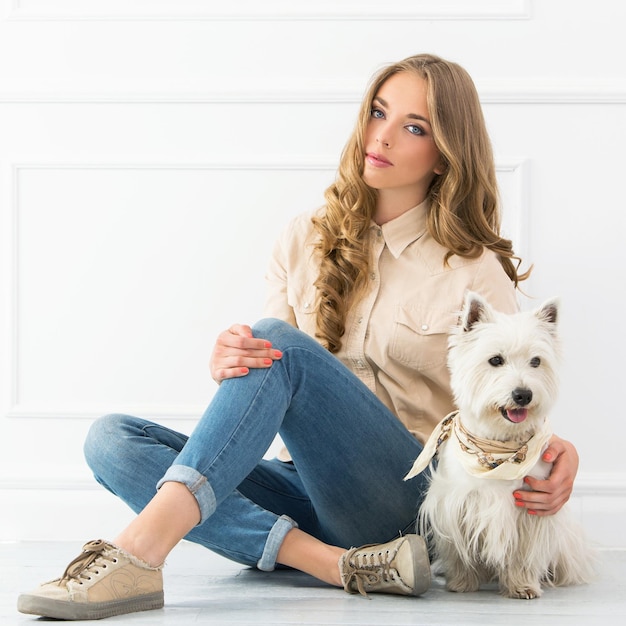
(396, 336)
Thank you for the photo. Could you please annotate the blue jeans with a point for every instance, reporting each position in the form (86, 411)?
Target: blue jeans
(350, 454)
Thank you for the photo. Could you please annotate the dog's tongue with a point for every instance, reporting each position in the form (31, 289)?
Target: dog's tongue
(517, 415)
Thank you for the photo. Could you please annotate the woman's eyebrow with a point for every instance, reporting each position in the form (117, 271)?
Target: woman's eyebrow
(412, 116)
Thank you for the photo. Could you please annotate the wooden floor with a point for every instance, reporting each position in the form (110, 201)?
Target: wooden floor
(202, 588)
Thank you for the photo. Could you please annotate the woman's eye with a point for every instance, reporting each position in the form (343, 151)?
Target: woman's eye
(377, 113)
(415, 130)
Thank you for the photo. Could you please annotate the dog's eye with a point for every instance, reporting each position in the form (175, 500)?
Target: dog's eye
(535, 361)
(496, 361)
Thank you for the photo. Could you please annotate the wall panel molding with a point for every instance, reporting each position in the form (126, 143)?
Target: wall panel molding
(529, 95)
(21, 410)
(270, 10)
(573, 95)
(514, 181)
(600, 484)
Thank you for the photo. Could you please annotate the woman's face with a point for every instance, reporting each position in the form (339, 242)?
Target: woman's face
(401, 158)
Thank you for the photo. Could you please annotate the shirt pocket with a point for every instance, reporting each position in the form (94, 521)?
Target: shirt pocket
(420, 336)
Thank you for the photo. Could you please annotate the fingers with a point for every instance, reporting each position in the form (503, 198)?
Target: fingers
(237, 351)
(546, 497)
(555, 449)
(239, 330)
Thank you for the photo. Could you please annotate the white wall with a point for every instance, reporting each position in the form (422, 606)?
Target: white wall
(149, 152)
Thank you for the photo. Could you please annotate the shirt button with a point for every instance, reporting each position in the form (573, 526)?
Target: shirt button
(360, 320)
(379, 232)
(359, 363)
(373, 276)
(307, 305)
(424, 326)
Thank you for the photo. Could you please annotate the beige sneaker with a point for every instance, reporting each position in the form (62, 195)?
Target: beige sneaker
(400, 566)
(101, 582)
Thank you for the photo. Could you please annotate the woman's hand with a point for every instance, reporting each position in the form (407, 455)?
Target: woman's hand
(548, 496)
(236, 351)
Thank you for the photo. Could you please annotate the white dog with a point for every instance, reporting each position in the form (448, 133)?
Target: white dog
(504, 379)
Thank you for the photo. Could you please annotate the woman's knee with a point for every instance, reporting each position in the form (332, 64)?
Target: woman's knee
(281, 334)
(104, 439)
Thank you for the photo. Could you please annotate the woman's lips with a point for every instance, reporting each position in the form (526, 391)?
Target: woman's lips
(377, 160)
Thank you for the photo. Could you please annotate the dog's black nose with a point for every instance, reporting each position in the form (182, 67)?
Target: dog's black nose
(522, 396)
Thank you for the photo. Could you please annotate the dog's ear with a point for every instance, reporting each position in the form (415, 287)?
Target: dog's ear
(476, 309)
(549, 311)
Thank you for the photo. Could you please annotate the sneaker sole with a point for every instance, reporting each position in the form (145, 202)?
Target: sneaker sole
(421, 572)
(59, 609)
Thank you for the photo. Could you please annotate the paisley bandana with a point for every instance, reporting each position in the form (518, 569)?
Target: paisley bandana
(483, 457)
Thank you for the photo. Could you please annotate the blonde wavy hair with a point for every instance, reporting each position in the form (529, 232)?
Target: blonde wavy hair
(464, 214)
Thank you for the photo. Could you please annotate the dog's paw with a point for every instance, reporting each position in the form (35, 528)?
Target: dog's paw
(462, 585)
(523, 593)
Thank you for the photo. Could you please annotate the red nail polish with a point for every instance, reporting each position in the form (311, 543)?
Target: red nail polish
(532, 512)
(519, 503)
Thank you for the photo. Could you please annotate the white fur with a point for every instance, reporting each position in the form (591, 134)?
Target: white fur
(477, 532)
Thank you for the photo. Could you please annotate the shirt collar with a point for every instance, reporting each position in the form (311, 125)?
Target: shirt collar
(405, 229)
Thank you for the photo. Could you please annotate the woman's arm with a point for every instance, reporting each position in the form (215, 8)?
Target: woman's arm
(276, 301)
(236, 351)
(548, 496)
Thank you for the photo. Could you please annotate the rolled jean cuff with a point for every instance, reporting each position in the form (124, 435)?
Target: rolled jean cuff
(197, 484)
(275, 539)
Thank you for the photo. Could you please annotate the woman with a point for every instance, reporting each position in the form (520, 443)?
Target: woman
(349, 369)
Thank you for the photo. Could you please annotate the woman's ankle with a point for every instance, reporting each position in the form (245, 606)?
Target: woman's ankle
(308, 554)
(165, 520)
(140, 550)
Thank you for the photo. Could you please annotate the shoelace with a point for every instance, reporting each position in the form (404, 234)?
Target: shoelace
(81, 566)
(371, 569)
